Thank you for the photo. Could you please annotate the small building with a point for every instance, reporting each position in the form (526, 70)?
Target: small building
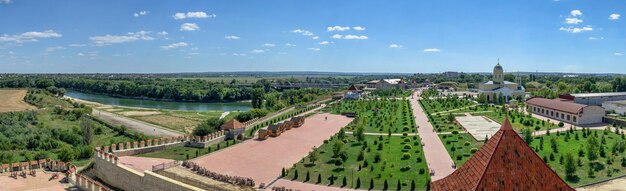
(233, 129)
(447, 86)
(297, 121)
(619, 107)
(594, 98)
(355, 91)
(263, 134)
(498, 86)
(566, 111)
(505, 162)
(386, 84)
(274, 130)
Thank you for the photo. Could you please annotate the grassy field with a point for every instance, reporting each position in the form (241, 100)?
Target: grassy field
(399, 158)
(519, 121)
(435, 105)
(13, 100)
(254, 79)
(185, 153)
(443, 123)
(373, 159)
(380, 116)
(460, 146)
(611, 164)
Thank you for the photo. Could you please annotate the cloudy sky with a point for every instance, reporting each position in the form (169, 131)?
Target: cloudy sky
(321, 35)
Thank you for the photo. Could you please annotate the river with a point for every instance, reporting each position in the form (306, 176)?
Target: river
(190, 106)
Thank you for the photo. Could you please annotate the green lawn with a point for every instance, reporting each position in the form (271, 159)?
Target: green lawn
(444, 104)
(391, 166)
(380, 116)
(443, 123)
(520, 121)
(180, 153)
(611, 144)
(460, 146)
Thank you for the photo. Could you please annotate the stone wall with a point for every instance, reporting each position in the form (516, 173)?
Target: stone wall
(118, 175)
(145, 146)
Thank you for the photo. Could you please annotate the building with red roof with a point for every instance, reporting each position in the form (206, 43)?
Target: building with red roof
(566, 111)
(505, 162)
(234, 129)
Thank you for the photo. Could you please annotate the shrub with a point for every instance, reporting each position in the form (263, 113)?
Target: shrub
(406, 156)
(407, 147)
(473, 150)
(459, 157)
(455, 132)
(422, 171)
(467, 143)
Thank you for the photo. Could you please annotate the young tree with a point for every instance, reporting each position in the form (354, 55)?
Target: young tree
(359, 133)
(412, 185)
(371, 183)
(312, 157)
(307, 178)
(86, 126)
(570, 166)
(385, 185)
(319, 179)
(358, 183)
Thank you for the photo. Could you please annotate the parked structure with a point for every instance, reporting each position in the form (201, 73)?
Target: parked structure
(566, 111)
(505, 162)
(618, 107)
(594, 98)
(234, 129)
(387, 84)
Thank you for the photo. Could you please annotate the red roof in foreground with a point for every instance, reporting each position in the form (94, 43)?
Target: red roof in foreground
(232, 124)
(505, 162)
(556, 104)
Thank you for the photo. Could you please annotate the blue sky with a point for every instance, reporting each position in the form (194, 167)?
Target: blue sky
(74, 36)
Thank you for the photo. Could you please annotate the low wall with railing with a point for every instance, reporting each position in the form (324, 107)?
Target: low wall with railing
(145, 146)
(120, 176)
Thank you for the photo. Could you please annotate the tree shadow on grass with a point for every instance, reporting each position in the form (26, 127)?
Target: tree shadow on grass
(573, 179)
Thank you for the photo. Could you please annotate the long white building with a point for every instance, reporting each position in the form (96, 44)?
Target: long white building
(566, 111)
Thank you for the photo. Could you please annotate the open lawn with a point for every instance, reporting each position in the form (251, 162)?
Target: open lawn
(460, 146)
(186, 153)
(378, 158)
(609, 151)
(380, 116)
(444, 122)
(438, 104)
(13, 100)
(519, 120)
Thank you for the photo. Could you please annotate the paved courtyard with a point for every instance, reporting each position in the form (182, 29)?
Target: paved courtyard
(263, 160)
(142, 163)
(479, 126)
(39, 183)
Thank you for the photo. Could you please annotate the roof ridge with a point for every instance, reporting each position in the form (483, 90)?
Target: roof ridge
(482, 174)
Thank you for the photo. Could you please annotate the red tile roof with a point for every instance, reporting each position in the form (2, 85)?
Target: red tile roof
(232, 124)
(555, 104)
(505, 162)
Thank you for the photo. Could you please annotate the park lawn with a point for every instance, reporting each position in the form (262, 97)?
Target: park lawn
(517, 119)
(435, 105)
(573, 146)
(380, 116)
(441, 122)
(391, 167)
(185, 153)
(177, 120)
(460, 146)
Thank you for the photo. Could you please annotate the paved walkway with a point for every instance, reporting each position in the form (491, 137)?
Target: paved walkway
(618, 184)
(383, 134)
(224, 114)
(136, 125)
(142, 163)
(263, 160)
(439, 161)
(40, 182)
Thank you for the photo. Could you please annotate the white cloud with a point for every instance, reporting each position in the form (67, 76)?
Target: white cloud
(232, 37)
(189, 27)
(303, 32)
(337, 36)
(141, 13)
(29, 36)
(289, 44)
(359, 28)
(269, 45)
(617, 54)
(395, 46)
(5, 1)
(88, 54)
(324, 43)
(432, 50)
(576, 13)
(314, 49)
(357, 37)
(190, 15)
(239, 54)
(175, 45)
(115, 39)
(162, 33)
(315, 37)
(337, 28)
(576, 29)
(596, 38)
(257, 51)
(77, 45)
(573, 21)
(614, 16)
(54, 48)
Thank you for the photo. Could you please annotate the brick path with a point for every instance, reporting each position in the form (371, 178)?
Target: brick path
(439, 161)
(263, 160)
(40, 182)
(142, 163)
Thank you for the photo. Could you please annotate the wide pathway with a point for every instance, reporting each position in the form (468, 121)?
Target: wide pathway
(439, 161)
(136, 125)
(263, 160)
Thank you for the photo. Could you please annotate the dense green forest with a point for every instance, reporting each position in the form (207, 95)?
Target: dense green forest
(60, 130)
(195, 90)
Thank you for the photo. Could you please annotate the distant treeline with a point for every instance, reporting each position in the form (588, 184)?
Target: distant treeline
(193, 90)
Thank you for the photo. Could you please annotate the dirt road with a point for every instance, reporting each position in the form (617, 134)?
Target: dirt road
(136, 125)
